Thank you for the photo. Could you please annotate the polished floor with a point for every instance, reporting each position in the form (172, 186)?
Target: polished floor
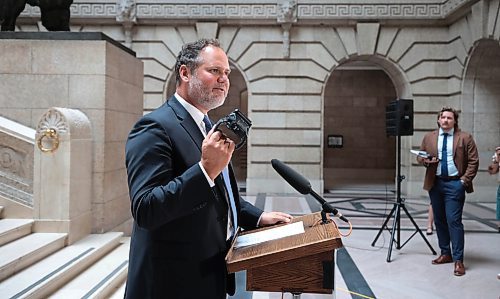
(362, 270)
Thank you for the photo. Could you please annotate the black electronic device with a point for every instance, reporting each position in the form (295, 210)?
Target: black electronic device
(234, 126)
(399, 118)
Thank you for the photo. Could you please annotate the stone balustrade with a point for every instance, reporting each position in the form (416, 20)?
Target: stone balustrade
(16, 161)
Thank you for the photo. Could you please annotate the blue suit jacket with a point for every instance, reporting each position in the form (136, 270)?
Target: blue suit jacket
(178, 242)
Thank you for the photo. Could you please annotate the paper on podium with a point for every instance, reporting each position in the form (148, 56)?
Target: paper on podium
(422, 154)
(270, 234)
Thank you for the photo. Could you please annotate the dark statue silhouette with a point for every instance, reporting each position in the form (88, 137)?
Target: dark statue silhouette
(55, 14)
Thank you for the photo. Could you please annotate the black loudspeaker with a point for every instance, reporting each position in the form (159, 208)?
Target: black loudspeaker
(399, 118)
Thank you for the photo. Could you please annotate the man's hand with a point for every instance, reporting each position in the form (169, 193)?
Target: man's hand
(431, 160)
(216, 152)
(270, 218)
(427, 161)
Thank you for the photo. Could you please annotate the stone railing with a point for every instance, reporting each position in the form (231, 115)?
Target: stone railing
(16, 161)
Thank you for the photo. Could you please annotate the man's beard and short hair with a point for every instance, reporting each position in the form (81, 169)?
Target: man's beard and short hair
(201, 94)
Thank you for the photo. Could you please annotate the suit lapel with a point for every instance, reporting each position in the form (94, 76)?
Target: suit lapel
(186, 121)
(434, 144)
(456, 140)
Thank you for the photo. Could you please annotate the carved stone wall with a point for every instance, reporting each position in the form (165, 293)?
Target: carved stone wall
(16, 169)
(286, 94)
(267, 9)
(16, 162)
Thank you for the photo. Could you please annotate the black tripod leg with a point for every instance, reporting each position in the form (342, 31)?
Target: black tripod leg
(419, 230)
(384, 225)
(395, 226)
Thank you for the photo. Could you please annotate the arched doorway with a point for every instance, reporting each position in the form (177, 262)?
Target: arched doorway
(355, 98)
(237, 98)
(481, 110)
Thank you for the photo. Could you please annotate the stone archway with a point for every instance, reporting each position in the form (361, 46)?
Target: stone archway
(355, 98)
(237, 98)
(481, 109)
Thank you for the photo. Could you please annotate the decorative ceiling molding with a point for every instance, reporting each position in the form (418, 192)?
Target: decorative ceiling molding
(308, 10)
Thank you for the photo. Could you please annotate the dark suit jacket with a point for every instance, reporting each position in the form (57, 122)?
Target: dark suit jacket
(465, 157)
(178, 242)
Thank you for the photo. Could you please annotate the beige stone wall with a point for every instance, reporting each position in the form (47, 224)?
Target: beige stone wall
(96, 77)
(424, 48)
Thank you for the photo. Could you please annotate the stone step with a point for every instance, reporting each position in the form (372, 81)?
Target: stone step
(23, 252)
(119, 293)
(14, 210)
(12, 229)
(50, 274)
(101, 279)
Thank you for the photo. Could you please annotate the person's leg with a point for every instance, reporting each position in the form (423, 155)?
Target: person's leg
(438, 209)
(454, 203)
(430, 220)
(498, 208)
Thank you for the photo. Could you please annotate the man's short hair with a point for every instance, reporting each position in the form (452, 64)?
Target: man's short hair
(190, 55)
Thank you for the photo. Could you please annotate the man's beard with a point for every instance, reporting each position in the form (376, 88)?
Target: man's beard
(202, 95)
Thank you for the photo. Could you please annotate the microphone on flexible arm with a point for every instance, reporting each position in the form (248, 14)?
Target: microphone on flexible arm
(303, 186)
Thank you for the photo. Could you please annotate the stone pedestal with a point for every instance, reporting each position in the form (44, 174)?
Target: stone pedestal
(90, 72)
(63, 174)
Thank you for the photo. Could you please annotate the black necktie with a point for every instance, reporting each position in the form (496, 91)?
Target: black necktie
(208, 123)
(444, 156)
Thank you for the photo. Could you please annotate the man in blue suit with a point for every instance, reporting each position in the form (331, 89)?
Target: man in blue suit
(185, 200)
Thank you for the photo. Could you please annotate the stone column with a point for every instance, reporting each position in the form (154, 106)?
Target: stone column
(63, 173)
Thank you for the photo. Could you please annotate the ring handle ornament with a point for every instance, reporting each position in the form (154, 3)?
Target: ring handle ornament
(48, 136)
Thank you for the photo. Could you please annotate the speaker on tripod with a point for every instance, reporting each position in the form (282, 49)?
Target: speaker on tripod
(399, 122)
(399, 118)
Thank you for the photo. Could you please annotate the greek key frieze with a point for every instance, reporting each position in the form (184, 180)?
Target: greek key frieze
(177, 11)
(79, 10)
(94, 10)
(373, 11)
(249, 10)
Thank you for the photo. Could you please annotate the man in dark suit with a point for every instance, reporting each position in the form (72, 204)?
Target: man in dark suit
(185, 200)
(448, 177)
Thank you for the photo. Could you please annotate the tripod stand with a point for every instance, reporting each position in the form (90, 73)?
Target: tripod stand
(396, 212)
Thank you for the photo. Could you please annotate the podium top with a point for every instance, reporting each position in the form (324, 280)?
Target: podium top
(317, 238)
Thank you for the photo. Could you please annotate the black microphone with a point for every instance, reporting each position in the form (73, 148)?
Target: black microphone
(293, 178)
(303, 186)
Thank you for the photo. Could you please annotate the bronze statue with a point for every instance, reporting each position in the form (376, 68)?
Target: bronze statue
(55, 14)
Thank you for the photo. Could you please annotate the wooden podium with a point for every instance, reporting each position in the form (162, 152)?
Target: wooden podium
(302, 263)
